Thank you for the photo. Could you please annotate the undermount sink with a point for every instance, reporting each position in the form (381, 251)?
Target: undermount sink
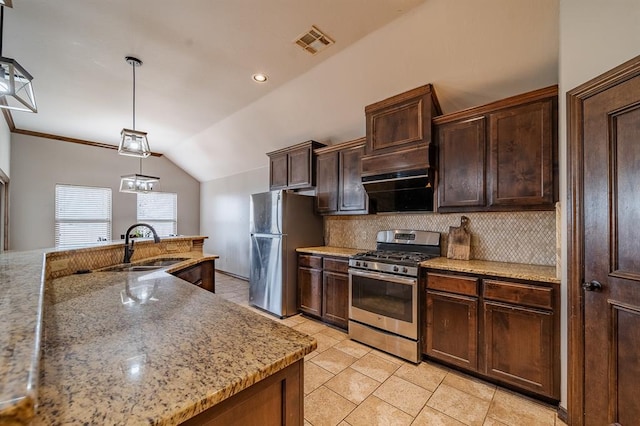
(148, 265)
(162, 262)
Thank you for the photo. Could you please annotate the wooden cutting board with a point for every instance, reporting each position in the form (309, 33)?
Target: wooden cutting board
(459, 240)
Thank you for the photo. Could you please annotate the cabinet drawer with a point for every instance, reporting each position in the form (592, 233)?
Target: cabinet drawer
(453, 284)
(309, 261)
(336, 265)
(521, 294)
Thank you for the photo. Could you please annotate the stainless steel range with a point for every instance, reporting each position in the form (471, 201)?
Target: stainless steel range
(383, 291)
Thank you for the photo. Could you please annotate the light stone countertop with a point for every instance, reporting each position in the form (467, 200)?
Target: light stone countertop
(127, 347)
(498, 269)
(330, 251)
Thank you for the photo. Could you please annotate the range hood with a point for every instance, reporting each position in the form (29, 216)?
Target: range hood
(406, 191)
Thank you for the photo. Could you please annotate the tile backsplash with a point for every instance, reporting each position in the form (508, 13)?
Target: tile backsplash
(517, 237)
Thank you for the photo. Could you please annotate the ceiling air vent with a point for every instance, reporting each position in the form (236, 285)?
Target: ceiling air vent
(314, 40)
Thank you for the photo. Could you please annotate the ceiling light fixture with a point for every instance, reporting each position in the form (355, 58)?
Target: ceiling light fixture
(133, 142)
(16, 88)
(138, 182)
(260, 78)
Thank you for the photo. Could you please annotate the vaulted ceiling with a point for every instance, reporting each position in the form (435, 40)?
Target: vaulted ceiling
(194, 93)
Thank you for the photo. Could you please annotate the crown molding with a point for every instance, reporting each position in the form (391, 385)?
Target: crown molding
(12, 127)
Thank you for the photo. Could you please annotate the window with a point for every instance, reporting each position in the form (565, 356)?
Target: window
(160, 210)
(83, 215)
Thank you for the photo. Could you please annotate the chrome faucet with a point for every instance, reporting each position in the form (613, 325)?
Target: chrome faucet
(128, 249)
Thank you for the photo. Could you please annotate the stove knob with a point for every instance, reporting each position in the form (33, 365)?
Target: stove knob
(395, 269)
(405, 269)
(358, 263)
(364, 264)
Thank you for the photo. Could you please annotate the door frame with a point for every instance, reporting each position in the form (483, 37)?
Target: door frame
(4, 214)
(575, 227)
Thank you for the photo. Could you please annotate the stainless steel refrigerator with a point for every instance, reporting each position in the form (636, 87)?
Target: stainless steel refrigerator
(280, 222)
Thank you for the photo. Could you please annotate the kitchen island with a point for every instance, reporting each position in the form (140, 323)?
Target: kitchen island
(137, 348)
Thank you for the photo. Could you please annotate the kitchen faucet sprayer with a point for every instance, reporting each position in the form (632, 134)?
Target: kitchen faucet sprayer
(128, 249)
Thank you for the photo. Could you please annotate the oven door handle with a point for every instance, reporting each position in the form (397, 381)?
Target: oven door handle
(384, 277)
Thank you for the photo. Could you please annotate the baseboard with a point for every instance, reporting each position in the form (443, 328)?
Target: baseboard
(232, 275)
(563, 414)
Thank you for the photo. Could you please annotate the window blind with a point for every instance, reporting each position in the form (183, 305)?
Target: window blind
(160, 210)
(83, 214)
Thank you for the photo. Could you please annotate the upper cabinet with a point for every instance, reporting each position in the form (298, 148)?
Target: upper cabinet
(399, 132)
(500, 156)
(339, 188)
(293, 167)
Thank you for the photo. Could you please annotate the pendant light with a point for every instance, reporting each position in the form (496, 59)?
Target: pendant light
(133, 142)
(138, 182)
(16, 88)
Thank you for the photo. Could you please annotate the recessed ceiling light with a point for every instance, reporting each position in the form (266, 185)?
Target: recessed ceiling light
(260, 78)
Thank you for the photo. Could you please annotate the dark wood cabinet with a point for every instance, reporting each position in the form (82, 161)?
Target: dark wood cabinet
(462, 165)
(452, 329)
(310, 284)
(452, 319)
(278, 170)
(520, 336)
(327, 182)
(502, 330)
(275, 400)
(202, 275)
(293, 167)
(339, 184)
(323, 288)
(500, 156)
(521, 161)
(399, 132)
(335, 292)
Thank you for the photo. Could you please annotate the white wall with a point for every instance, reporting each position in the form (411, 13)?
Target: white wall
(595, 36)
(38, 164)
(472, 51)
(224, 217)
(5, 147)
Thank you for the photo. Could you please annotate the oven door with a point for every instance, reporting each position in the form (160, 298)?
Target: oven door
(385, 301)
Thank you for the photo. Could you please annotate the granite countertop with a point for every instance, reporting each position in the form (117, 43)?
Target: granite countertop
(498, 269)
(128, 347)
(330, 251)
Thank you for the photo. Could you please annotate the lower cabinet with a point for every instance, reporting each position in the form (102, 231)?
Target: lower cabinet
(202, 275)
(275, 400)
(310, 284)
(499, 329)
(452, 329)
(323, 288)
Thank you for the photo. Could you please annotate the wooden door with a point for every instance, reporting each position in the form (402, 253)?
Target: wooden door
(327, 183)
(353, 197)
(604, 261)
(462, 164)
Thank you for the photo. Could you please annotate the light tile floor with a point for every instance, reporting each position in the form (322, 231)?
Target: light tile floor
(350, 384)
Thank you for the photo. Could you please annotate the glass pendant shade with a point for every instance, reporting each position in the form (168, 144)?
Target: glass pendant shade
(134, 143)
(138, 183)
(16, 86)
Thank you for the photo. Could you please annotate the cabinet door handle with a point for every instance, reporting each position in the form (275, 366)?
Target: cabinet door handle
(592, 286)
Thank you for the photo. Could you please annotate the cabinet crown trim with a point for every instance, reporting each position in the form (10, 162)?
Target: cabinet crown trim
(314, 144)
(520, 99)
(414, 93)
(340, 146)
